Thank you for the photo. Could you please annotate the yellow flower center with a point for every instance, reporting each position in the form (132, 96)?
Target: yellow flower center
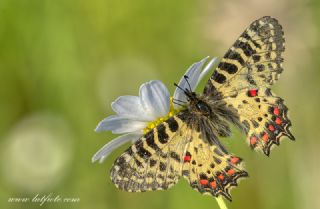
(153, 124)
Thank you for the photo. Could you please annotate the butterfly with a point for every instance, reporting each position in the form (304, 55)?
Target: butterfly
(187, 144)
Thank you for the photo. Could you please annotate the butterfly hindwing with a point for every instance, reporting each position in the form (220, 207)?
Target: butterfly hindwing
(209, 169)
(263, 116)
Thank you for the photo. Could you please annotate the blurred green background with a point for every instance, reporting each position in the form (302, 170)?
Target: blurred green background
(63, 62)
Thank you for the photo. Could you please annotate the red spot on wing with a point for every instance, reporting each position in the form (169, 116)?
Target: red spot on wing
(253, 140)
(203, 181)
(276, 111)
(265, 137)
(213, 184)
(187, 158)
(231, 172)
(221, 177)
(271, 127)
(234, 160)
(253, 92)
(278, 121)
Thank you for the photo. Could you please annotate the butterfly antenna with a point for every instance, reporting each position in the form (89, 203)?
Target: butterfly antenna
(176, 85)
(186, 78)
(177, 103)
(177, 100)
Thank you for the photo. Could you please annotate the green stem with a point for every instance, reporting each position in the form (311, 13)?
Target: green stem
(221, 203)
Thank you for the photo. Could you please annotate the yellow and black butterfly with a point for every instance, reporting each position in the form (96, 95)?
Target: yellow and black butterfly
(187, 144)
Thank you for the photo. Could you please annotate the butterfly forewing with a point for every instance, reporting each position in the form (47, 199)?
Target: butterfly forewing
(154, 162)
(254, 60)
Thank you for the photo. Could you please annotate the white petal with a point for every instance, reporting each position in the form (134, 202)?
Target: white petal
(155, 98)
(131, 108)
(206, 69)
(119, 125)
(112, 145)
(193, 74)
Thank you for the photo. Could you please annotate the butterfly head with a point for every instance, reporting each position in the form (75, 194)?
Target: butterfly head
(196, 104)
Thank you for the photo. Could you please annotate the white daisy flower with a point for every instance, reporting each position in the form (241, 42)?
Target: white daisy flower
(136, 115)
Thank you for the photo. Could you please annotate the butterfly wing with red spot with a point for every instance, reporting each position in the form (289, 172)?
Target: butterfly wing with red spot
(174, 149)
(243, 77)
(264, 118)
(209, 169)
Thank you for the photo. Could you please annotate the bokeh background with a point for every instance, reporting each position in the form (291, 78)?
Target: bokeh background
(63, 62)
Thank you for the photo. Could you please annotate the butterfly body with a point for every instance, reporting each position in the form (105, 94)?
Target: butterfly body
(209, 116)
(187, 144)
